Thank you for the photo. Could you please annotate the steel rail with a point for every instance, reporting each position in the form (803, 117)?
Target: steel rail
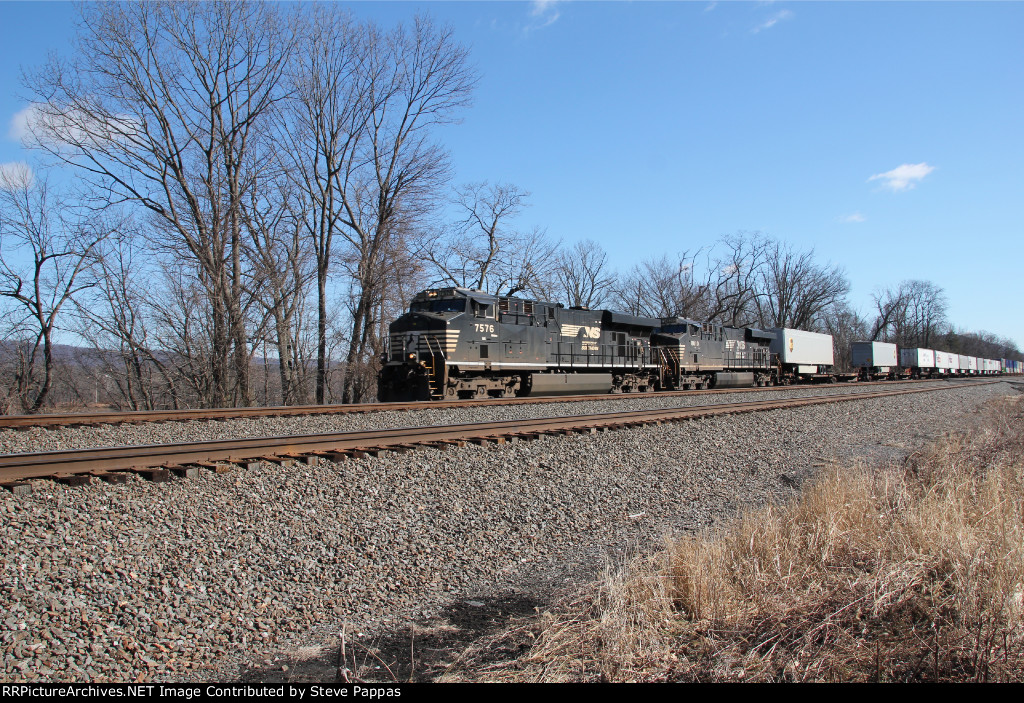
(103, 460)
(144, 416)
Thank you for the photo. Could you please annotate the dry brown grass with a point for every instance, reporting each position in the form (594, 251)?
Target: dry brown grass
(902, 573)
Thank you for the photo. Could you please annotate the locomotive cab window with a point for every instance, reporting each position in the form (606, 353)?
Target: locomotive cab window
(483, 310)
(449, 305)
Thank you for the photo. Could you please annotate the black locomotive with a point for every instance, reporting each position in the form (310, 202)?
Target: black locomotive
(461, 343)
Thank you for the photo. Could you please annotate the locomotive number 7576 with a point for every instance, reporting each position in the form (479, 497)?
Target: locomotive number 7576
(484, 328)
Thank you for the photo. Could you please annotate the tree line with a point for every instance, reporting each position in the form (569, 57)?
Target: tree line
(233, 200)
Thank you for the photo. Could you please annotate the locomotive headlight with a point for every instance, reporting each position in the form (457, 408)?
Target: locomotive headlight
(412, 356)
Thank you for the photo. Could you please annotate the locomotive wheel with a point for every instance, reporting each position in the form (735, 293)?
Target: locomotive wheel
(704, 385)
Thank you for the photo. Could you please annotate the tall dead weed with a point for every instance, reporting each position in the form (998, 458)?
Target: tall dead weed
(910, 572)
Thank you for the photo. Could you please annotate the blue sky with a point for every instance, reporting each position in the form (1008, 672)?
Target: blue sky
(888, 136)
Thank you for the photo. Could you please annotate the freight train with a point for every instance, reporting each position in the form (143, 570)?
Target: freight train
(461, 343)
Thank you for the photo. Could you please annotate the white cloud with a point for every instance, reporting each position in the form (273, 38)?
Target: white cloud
(544, 13)
(903, 177)
(772, 21)
(855, 217)
(34, 125)
(19, 129)
(15, 175)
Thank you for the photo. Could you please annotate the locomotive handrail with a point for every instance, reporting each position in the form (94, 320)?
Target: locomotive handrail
(440, 351)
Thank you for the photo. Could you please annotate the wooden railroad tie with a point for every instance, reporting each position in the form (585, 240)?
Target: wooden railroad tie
(441, 443)
(72, 479)
(282, 461)
(216, 467)
(247, 464)
(309, 459)
(18, 488)
(156, 475)
(480, 441)
(117, 477)
(184, 471)
(333, 456)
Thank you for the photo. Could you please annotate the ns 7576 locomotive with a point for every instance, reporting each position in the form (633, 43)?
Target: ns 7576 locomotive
(461, 343)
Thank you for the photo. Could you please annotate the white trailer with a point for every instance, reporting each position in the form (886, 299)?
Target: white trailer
(946, 362)
(918, 358)
(921, 362)
(874, 354)
(874, 359)
(802, 353)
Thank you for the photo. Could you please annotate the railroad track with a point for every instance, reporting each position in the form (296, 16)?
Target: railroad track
(25, 422)
(158, 462)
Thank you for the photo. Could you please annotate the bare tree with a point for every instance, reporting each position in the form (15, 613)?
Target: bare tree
(46, 251)
(912, 314)
(114, 317)
(368, 102)
(582, 275)
(983, 344)
(160, 106)
(281, 270)
(794, 290)
(664, 287)
(737, 272)
(846, 326)
(889, 306)
(181, 327)
(924, 314)
(484, 250)
(324, 133)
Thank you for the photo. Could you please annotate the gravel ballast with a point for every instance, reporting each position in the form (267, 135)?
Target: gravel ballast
(211, 578)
